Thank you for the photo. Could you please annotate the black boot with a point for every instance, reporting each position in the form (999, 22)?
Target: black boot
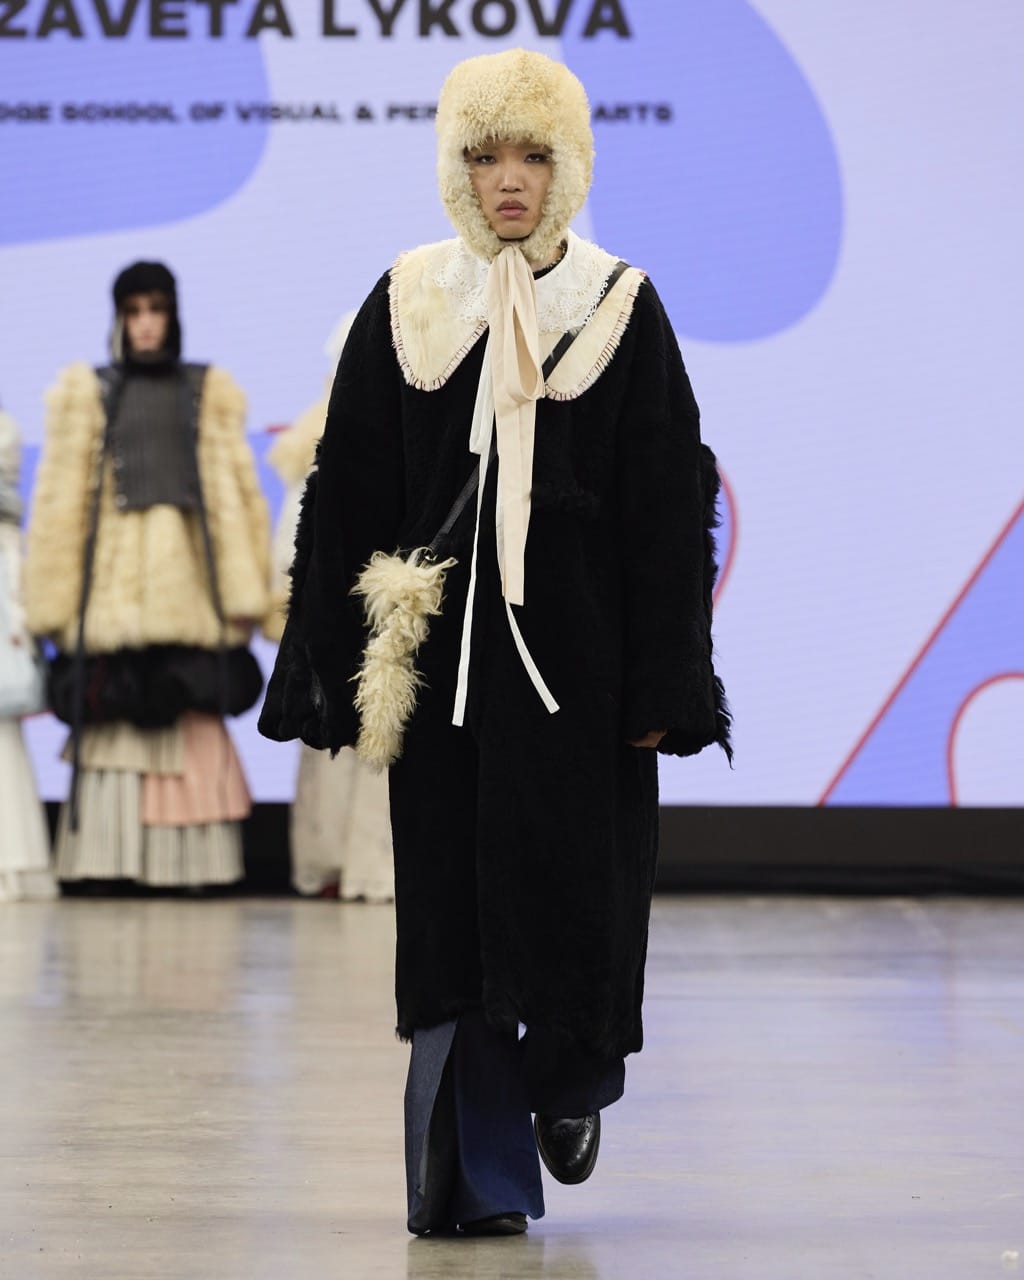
(569, 1147)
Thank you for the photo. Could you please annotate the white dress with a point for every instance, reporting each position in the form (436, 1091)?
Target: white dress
(341, 828)
(24, 841)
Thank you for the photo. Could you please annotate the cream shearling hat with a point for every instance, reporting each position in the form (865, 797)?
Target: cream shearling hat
(515, 96)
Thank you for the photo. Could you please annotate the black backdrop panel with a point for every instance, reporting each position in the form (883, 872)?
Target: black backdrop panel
(774, 850)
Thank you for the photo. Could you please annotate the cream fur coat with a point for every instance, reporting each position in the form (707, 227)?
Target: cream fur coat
(150, 584)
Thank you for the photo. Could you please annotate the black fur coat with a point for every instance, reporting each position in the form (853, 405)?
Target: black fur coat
(525, 843)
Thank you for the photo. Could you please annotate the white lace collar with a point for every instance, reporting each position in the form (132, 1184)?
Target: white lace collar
(567, 295)
(437, 298)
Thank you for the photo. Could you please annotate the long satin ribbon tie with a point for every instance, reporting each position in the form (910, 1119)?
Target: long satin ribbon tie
(511, 383)
(518, 384)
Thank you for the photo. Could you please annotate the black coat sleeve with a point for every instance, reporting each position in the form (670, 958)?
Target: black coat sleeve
(353, 505)
(668, 484)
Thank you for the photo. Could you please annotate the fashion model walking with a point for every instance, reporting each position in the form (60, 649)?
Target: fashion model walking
(573, 642)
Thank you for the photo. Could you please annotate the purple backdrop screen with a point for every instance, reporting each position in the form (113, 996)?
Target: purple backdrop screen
(829, 199)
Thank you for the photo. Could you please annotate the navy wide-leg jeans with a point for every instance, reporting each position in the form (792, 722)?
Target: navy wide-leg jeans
(469, 1146)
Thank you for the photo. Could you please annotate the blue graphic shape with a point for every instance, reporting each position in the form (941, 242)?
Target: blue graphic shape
(903, 759)
(27, 477)
(735, 206)
(80, 178)
(261, 442)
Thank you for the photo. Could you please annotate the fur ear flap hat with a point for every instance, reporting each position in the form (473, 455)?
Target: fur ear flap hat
(515, 96)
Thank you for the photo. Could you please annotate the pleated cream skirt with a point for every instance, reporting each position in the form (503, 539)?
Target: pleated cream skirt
(112, 843)
(158, 807)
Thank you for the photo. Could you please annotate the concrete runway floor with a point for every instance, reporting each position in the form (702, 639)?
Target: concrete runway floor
(211, 1090)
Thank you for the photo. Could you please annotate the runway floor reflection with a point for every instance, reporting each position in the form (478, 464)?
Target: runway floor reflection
(212, 1089)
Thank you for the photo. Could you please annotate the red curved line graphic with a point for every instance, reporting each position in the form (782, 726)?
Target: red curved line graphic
(726, 569)
(962, 711)
(936, 631)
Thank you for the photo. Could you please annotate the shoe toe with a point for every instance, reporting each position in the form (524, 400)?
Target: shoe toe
(569, 1147)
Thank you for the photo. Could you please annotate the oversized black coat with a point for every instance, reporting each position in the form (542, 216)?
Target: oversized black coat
(525, 843)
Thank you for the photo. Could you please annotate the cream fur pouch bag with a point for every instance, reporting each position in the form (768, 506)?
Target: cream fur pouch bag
(400, 596)
(401, 593)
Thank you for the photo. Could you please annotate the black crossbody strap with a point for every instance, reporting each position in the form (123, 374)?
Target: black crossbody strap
(460, 504)
(569, 337)
(550, 364)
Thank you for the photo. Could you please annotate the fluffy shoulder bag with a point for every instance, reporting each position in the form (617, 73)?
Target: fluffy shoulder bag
(400, 596)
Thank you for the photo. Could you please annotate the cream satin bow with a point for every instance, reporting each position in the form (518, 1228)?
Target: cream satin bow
(518, 383)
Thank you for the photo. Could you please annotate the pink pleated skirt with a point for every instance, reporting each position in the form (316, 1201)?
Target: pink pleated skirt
(211, 787)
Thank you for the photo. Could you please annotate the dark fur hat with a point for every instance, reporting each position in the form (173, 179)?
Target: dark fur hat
(146, 277)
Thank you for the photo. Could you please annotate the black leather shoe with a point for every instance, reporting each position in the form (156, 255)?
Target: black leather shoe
(500, 1224)
(569, 1147)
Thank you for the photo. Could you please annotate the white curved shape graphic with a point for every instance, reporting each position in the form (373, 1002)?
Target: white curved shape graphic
(987, 746)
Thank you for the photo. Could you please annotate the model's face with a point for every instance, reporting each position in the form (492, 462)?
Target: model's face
(147, 317)
(511, 180)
